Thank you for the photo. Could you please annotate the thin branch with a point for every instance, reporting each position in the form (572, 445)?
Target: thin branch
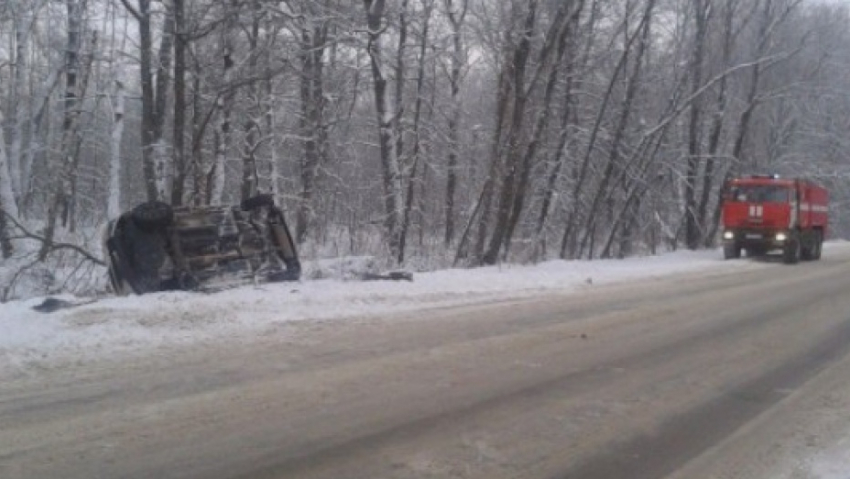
(27, 234)
(690, 99)
(132, 10)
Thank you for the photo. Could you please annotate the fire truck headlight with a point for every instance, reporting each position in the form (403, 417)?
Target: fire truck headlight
(728, 235)
(781, 236)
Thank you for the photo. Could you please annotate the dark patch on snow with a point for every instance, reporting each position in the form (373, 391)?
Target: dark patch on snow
(51, 305)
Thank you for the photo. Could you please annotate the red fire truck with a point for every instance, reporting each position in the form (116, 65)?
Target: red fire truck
(766, 213)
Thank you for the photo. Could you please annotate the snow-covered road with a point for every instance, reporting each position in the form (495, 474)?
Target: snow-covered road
(809, 442)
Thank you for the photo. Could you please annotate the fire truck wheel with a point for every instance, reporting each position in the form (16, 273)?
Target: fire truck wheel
(818, 247)
(731, 252)
(791, 252)
(807, 251)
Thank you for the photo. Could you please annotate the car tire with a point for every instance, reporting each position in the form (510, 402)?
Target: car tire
(153, 216)
(731, 252)
(256, 202)
(148, 256)
(292, 273)
(115, 268)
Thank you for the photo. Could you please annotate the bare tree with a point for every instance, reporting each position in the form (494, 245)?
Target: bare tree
(178, 187)
(65, 172)
(456, 14)
(510, 116)
(118, 113)
(391, 172)
(224, 106)
(701, 9)
(313, 122)
(416, 154)
(8, 203)
(154, 96)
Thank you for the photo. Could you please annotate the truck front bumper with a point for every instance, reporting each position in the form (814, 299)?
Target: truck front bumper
(756, 238)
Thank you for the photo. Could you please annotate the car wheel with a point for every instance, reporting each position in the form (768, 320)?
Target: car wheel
(731, 252)
(153, 216)
(137, 256)
(116, 280)
(292, 273)
(256, 202)
(148, 257)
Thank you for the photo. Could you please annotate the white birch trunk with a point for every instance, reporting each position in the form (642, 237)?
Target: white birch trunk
(225, 104)
(391, 172)
(275, 169)
(163, 169)
(217, 195)
(7, 194)
(114, 204)
(22, 36)
(393, 166)
(36, 139)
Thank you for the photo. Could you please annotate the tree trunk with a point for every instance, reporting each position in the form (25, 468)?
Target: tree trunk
(456, 21)
(156, 165)
(63, 177)
(224, 105)
(393, 190)
(70, 213)
(21, 64)
(400, 80)
(8, 202)
(312, 122)
(556, 41)
(568, 113)
(512, 100)
(250, 176)
(147, 124)
(716, 127)
(632, 83)
(271, 127)
(201, 187)
(162, 163)
(693, 232)
(113, 209)
(178, 186)
(417, 145)
(571, 230)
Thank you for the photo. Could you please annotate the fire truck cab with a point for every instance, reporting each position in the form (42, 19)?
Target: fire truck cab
(764, 213)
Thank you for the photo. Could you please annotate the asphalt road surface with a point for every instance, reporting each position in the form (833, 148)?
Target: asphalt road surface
(638, 381)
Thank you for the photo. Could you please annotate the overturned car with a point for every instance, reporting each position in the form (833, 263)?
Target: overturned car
(156, 247)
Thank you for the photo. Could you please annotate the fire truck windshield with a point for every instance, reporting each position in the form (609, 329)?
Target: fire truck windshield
(759, 194)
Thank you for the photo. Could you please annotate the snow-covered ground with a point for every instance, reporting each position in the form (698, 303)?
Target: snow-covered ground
(832, 463)
(30, 340)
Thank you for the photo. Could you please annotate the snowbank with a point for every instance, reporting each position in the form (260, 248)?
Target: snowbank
(29, 339)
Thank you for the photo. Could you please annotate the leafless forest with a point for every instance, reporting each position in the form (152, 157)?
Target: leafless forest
(426, 132)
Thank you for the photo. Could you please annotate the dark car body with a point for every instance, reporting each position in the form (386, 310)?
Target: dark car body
(155, 247)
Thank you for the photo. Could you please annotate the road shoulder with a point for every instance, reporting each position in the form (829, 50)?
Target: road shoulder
(805, 436)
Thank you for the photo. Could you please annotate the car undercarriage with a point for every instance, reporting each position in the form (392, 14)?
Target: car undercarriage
(156, 247)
